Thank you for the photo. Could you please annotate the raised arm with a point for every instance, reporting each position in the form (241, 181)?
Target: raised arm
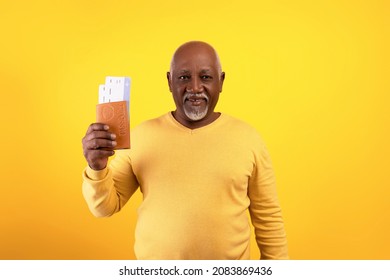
(106, 189)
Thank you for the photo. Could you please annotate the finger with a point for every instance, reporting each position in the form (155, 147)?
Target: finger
(96, 144)
(100, 135)
(99, 154)
(97, 127)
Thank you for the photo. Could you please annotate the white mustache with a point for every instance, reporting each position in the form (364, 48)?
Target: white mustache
(189, 95)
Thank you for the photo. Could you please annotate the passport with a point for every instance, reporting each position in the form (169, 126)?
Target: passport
(116, 116)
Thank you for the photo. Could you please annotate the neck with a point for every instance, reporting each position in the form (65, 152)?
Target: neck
(195, 124)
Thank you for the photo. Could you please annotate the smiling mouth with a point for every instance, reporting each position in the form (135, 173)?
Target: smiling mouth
(195, 99)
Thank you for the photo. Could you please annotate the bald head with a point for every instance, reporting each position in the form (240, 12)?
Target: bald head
(194, 49)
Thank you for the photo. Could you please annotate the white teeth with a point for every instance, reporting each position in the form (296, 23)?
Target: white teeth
(195, 97)
(196, 100)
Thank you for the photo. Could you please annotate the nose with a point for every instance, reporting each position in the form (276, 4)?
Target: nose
(195, 85)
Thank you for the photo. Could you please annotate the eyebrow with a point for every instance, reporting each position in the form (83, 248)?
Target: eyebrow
(185, 71)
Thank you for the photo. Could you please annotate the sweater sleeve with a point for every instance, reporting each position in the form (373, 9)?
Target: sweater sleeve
(265, 210)
(107, 191)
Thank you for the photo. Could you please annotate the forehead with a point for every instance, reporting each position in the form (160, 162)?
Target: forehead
(199, 58)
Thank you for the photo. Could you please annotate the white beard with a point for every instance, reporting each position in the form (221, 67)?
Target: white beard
(197, 113)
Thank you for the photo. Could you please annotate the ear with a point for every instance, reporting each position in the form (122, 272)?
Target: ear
(221, 80)
(169, 81)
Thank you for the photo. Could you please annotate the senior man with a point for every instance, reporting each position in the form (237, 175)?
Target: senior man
(199, 172)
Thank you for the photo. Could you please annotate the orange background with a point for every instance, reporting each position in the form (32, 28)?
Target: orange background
(311, 76)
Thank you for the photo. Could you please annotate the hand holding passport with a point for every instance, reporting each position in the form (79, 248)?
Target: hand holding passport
(112, 129)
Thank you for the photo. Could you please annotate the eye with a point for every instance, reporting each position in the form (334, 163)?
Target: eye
(206, 77)
(184, 77)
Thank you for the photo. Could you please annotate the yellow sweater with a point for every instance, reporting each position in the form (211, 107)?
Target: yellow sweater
(197, 186)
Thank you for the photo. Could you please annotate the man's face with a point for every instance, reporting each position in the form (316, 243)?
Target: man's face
(195, 81)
